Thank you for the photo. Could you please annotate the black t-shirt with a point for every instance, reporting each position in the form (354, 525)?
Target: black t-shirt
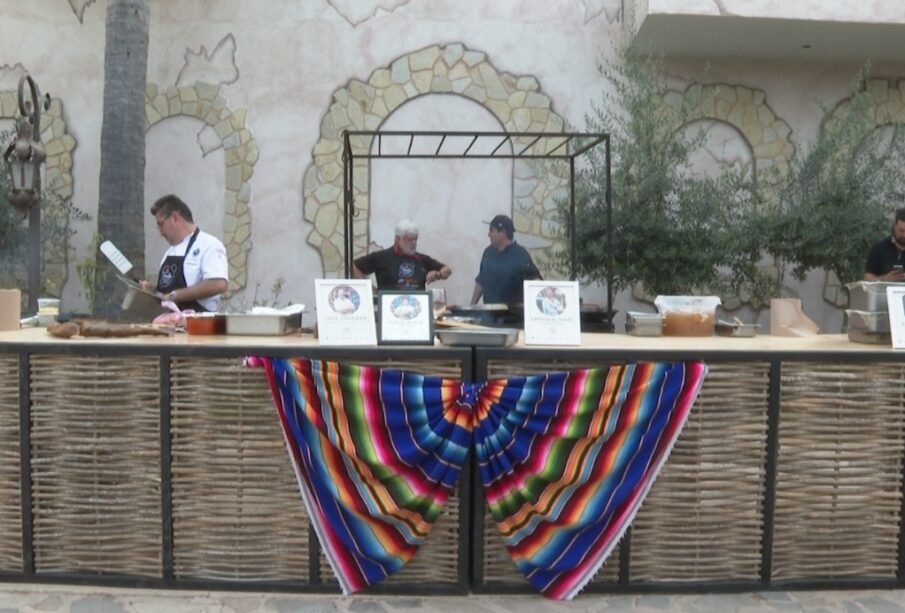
(398, 271)
(883, 256)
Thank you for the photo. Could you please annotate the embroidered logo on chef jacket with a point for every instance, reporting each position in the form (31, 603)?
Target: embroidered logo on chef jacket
(406, 269)
(167, 274)
(196, 251)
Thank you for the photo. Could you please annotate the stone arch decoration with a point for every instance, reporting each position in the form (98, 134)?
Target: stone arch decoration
(516, 102)
(746, 110)
(58, 144)
(204, 101)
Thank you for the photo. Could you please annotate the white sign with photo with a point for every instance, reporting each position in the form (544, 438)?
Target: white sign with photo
(405, 318)
(345, 312)
(552, 314)
(895, 298)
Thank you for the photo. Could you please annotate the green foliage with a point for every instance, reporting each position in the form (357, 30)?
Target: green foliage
(86, 267)
(673, 232)
(233, 304)
(841, 195)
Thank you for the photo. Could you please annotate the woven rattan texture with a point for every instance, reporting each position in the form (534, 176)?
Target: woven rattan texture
(95, 464)
(839, 487)
(10, 493)
(237, 513)
(703, 518)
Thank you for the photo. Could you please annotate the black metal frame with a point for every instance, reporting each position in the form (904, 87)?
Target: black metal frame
(483, 355)
(565, 146)
(167, 579)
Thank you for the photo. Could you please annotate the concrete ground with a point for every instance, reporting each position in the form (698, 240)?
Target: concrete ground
(29, 598)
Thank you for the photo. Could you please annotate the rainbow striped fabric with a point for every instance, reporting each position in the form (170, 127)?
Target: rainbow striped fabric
(565, 458)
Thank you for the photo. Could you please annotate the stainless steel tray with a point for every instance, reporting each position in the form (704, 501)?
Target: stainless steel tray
(262, 324)
(869, 295)
(874, 338)
(730, 328)
(868, 321)
(643, 324)
(491, 337)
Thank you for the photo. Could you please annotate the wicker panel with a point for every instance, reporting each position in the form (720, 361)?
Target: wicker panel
(10, 498)
(839, 476)
(95, 464)
(703, 518)
(437, 560)
(237, 513)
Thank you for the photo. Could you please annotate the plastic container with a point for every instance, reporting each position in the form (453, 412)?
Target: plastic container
(868, 321)
(643, 324)
(688, 315)
(869, 295)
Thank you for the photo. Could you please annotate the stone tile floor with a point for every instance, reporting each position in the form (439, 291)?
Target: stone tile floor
(27, 598)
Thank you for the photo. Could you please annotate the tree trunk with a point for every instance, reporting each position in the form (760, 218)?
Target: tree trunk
(121, 210)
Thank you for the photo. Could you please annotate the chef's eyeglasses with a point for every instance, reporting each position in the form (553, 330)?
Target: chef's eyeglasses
(160, 221)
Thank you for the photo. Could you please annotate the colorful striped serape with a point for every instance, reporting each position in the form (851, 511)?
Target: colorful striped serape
(565, 458)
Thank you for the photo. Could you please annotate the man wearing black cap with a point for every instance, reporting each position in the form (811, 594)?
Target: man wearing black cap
(504, 265)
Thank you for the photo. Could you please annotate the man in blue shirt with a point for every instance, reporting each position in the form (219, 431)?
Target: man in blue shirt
(504, 266)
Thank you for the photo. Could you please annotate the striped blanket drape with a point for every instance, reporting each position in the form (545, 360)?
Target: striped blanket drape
(565, 458)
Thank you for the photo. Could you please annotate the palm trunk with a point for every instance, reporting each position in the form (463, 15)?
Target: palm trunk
(121, 210)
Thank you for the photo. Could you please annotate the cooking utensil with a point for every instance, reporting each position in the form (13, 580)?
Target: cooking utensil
(116, 257)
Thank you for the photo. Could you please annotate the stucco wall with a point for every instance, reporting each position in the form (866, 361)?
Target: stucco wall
(277, 69)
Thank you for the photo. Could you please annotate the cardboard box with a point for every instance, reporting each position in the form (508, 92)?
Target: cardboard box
(10, 309)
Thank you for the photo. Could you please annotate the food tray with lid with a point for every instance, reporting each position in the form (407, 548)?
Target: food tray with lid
(491, 337)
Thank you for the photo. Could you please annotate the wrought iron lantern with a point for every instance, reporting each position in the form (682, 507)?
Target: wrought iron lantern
(25, 154)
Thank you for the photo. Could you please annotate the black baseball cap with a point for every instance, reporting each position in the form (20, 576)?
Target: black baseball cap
(502, 223)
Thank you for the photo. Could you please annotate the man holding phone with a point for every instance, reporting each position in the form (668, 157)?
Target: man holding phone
(886, 260)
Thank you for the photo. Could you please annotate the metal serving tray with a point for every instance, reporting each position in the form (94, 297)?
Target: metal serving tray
(869, 295)
(868, 321)
(730, 328)
(262, 324)
(491, 337)
(643, 324)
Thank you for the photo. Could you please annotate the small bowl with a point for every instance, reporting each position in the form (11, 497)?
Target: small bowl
(205, 323)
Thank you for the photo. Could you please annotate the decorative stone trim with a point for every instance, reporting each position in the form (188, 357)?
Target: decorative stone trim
(203, 101)
(516, 101)
(743, 108)
(58, 144)
(746, 110)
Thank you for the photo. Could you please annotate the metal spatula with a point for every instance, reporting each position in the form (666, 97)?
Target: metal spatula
(117, 258)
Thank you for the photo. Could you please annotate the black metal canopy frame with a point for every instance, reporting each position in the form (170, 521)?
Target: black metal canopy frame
(445, 145)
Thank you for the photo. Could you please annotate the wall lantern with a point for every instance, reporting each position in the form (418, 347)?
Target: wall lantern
(24, 156)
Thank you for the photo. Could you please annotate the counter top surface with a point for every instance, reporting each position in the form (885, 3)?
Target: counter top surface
(824, 343)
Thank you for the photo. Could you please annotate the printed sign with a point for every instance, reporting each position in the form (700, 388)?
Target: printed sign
(345, 312)
(405, 318)
(552, 314)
